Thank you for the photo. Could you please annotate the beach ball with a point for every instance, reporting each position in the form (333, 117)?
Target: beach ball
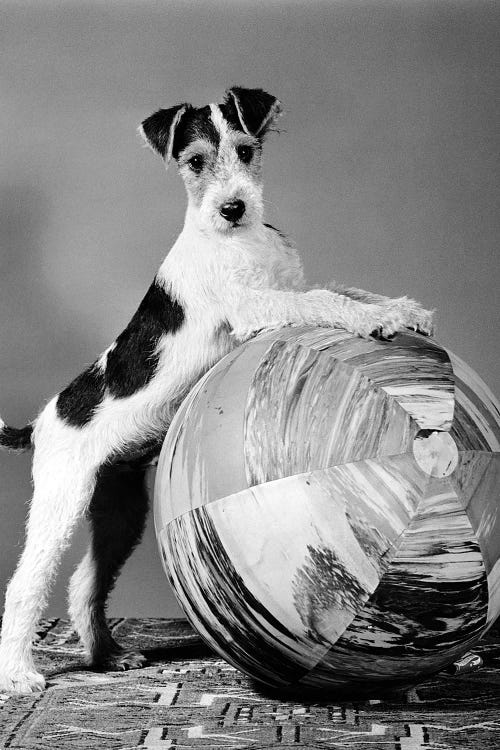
(327, 508)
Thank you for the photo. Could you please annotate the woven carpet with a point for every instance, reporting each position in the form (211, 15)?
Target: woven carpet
(189, 698)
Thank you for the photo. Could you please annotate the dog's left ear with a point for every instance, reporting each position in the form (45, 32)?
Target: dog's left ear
(159, 129)
(256, 109)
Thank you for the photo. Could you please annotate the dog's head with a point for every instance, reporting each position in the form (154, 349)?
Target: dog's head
(218, 150)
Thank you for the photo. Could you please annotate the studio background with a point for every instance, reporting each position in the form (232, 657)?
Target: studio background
(385, 174)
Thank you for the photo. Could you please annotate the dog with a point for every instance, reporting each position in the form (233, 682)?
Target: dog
(228, 276)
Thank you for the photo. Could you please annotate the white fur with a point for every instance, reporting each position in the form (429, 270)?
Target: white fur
(231, 282)
(220, 123)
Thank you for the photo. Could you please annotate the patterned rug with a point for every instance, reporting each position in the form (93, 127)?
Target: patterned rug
(188, 698)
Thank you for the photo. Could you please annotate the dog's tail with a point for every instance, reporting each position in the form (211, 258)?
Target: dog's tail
(15, 439)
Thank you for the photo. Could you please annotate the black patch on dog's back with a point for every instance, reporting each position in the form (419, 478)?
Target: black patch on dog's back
(77, 403)
(130, 364)
(133, 361)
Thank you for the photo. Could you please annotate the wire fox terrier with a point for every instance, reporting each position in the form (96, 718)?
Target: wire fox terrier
(228, 276)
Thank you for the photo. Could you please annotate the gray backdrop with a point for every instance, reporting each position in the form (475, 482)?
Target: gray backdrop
(385, 174)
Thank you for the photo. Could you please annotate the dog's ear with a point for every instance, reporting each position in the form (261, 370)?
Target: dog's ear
(256, 109)
(159, 129)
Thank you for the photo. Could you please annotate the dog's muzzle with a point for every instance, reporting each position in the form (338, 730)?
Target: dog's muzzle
(232, 211)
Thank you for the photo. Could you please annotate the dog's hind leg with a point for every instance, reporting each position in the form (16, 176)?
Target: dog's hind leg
(63, 491)
(117, 516)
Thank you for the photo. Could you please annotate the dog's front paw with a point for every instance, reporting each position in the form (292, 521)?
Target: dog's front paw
(381, 324)
(384, 321)
(413, 315)
(21, 681)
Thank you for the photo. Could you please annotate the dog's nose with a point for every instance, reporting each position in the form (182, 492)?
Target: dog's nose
(232, 210)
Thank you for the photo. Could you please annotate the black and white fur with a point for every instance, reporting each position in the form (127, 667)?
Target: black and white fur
(227, 276)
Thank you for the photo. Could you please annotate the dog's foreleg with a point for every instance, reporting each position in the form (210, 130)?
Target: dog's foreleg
(411, 310)
(361, 295)
(63, 490)
(251, 310)
(117, 516)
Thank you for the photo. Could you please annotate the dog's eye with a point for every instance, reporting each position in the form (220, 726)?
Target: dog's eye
(245, 153)
(196, 163)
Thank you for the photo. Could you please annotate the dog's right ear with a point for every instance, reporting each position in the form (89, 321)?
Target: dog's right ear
(158, 130)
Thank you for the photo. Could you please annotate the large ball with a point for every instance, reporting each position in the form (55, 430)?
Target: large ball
(328, 508)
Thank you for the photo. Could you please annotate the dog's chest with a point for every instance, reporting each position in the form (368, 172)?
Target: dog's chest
(204, 272)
